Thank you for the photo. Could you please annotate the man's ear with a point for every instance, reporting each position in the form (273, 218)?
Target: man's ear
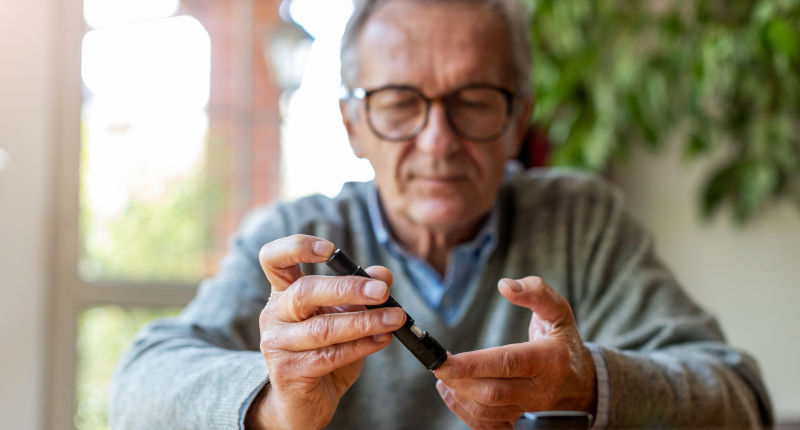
(349, 119)
(520, 126)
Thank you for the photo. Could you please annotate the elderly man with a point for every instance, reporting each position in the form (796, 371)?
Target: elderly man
(514, 272)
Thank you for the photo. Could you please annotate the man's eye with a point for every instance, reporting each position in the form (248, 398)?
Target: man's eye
(404, 104)
(471, 104)
(401, 104)
(474, 103)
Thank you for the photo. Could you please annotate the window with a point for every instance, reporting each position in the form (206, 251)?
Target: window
(104, 334)
(170, 131)
(142, 231)
(316, 102)
(144, 206)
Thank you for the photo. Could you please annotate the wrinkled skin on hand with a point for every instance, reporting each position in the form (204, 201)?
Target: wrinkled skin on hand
(491, 388)
(315, 334)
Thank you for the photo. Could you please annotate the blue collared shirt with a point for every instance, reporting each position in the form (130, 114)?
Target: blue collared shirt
(466, 261)
(445, 296)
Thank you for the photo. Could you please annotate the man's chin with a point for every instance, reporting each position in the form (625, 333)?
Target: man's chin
(442, 214)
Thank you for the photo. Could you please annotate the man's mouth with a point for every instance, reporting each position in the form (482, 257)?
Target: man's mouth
(436, 179)
(442, 179)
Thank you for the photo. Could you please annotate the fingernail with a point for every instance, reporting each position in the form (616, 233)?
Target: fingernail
(440, 387)
(375, 290)
(392, 316)
(322, 248)
(381, 338)
(515, 286)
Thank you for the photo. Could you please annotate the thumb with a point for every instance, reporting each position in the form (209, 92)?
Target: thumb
(380, 273)
(533, 293)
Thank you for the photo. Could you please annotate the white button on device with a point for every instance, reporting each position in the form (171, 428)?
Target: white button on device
(418, 332)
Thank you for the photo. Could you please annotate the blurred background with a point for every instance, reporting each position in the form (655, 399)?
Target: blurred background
(134, 134)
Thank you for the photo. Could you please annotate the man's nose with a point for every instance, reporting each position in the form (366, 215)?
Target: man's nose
(437, 138)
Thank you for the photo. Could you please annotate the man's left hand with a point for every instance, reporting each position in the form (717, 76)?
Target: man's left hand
(491, 388)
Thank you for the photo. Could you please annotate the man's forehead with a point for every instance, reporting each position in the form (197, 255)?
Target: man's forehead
(436, 44)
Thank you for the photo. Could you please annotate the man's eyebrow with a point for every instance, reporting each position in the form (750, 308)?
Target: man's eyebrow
(443, 93)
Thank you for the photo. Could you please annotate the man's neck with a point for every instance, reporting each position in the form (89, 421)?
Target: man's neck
(428, 243)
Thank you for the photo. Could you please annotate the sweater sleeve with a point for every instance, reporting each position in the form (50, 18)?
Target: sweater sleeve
(667, 360)
(202, 368)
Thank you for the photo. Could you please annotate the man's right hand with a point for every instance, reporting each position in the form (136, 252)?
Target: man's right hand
(315, 334)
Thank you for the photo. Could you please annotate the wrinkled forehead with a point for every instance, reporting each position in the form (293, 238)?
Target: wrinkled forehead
(434, 46)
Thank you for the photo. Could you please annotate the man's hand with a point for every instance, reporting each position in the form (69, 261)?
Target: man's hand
(491, 388)
(315, 334)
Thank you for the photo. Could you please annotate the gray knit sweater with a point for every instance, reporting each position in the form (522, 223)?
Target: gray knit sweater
(667, 360)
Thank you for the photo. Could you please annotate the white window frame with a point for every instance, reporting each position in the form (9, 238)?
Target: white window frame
(71, 294)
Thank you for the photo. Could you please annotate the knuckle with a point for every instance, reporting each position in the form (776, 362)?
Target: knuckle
(269, 341)
(337, 286)
(299, 244)
(343, 286)
(536, 281)
(560, 300)
(295, 241)
(299, 298)
(364, 322)
(491, 395)
(328, 356)
(279, 367)
(299, 292)
(264, 316)
(332, 287)
(320, 329)
(511, 362)
(536, 285)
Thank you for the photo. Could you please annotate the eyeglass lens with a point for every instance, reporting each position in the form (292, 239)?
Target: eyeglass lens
(474, 113)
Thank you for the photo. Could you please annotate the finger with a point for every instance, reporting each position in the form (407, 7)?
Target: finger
(495, 391)
(281, 258)
(380, 272)
(309, 293)
(342, 308)
(533, 293)
(506, 361)
(376, 272)
(329, 329)
(320, 362)
(475, 416)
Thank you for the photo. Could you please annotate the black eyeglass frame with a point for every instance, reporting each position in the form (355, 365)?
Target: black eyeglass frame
(364, 94)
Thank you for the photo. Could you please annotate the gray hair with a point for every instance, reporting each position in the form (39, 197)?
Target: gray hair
(513, 14)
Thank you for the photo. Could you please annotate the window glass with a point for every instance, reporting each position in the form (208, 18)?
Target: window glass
(146, 206)
(104, 334)
(318, 158)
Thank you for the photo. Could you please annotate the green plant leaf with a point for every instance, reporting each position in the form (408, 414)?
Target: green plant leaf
(720, 186)
(782, 38)
(614, 75)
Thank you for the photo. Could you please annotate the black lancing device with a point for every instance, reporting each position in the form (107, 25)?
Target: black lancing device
(418, 341)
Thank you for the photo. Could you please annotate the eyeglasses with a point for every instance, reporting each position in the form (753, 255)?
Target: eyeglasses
(476, 112)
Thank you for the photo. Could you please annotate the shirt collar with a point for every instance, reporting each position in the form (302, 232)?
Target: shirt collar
(486, 235)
